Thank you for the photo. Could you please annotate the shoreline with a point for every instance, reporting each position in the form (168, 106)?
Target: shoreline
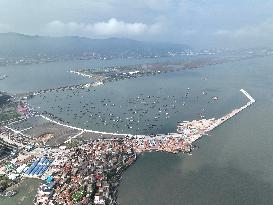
(101, 162)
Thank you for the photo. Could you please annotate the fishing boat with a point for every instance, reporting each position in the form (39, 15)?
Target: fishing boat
(2, 77)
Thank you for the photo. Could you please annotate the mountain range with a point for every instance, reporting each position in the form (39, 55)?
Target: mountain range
(15, 45)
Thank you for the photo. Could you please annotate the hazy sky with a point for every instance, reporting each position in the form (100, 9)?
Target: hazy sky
(201, 23)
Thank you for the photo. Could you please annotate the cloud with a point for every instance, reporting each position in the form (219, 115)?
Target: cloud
(156, 5)
(199, 23)
(259, 35)
(110, 28)
(115, 27)
(4, 28)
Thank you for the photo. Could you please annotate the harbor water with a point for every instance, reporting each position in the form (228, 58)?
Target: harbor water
(232, 165)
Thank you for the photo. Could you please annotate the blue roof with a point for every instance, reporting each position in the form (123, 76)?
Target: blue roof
(35, 163)
(37, 170)
(34, 170)
(41, 171)
(43, 160)
(44, 169)
(28, 171)
(39, 166)
(30, 168)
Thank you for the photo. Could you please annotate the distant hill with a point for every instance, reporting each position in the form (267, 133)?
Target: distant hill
(14, 45)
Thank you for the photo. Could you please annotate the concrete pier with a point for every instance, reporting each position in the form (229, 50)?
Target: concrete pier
(185, 129)
(195, 129)
(83, 130)
(248, 96)
(189, 131)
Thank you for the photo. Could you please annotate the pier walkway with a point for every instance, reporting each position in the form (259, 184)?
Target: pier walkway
(248, 96)
(85, 130)
(197, 128)
(188, 131)
(202, 129)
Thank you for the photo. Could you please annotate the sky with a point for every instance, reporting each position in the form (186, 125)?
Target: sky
(198, 23)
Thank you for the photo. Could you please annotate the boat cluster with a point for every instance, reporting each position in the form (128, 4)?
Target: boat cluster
(144, 112)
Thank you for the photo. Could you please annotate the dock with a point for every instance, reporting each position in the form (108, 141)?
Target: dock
(248, 96)
(187, 131)
(190, 131)
(82, 131)
(195, 129)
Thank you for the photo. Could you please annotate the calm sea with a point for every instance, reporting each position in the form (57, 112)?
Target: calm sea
(233, 164)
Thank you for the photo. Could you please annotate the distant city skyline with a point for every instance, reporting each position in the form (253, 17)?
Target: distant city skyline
(203, 23)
